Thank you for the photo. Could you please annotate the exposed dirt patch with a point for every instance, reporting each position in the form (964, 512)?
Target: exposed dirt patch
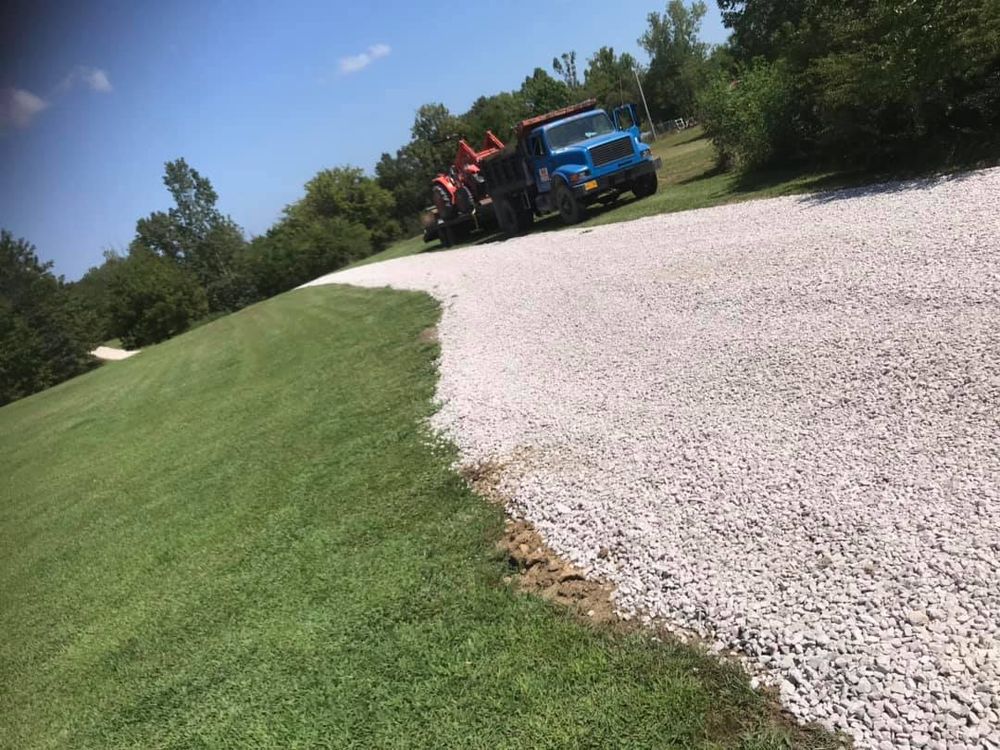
(428, 335)
(536, 568)
(542, 571)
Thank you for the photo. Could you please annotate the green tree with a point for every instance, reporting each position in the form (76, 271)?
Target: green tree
(764, 28)
(565, 66)
(402, 175)
(153, 298)
(677, 69)
(610, 78)
(431, 149)
(195, 234)
(895, 74)
(45, 335)
(542, 93)
(348, 193)
(294, 252)
(880, 81)
(93, 293)
(498, 113)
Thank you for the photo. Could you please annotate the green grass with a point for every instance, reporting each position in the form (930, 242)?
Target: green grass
(409, 246)
(689, 179)
(243, 538)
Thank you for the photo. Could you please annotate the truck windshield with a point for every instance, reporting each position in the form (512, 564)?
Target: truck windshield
(574, 131)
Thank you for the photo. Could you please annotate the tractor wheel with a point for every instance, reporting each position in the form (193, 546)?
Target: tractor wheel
(571, 211)
(447, 235)
(645, 186)
(465, 201)
(442, 201)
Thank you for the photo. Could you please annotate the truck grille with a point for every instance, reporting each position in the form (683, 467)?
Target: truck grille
(611, 151)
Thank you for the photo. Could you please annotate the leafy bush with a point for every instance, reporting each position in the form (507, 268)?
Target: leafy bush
(92, 293)
(752, 120)
(294, 252)
(901, 76)
(45, 336)
(346, 193)
(153, 298)
(875, 83)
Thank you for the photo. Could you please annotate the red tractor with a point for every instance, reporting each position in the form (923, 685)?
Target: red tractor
(460, 193)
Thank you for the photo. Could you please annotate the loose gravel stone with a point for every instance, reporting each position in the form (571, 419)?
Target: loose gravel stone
(775, 423)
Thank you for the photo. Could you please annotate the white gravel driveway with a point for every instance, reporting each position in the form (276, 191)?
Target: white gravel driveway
(776, 423)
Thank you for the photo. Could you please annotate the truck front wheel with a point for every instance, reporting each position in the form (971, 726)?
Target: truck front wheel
(571, 211)
(645, 186)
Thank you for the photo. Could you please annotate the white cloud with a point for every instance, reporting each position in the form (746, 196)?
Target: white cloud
(97, 79)
(354, 63)
(19, 107)
(94, 79)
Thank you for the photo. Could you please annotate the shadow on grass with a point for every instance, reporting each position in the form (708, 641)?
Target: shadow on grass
(714, 171)
(690, 135)
(875, 184)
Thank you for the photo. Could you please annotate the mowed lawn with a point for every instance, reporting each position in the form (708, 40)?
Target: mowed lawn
(245, 537)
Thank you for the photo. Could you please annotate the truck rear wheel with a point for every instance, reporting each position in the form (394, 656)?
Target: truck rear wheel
(645, 186)
(525, 218)
(506, 218)
(571, 211)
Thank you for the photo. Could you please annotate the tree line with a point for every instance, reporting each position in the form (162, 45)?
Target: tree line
(184, 266)
(856, 83)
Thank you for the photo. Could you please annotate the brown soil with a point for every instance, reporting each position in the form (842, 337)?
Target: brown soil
(536, 568)
(542, 571)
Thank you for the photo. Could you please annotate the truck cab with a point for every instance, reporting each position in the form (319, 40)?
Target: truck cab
(572, 158)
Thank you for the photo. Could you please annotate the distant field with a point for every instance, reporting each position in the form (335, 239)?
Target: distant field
(689, 179)
(243, 538)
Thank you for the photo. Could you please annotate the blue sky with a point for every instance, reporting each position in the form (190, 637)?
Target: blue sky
(258, 96)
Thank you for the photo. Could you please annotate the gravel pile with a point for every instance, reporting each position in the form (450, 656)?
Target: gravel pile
(776, 424)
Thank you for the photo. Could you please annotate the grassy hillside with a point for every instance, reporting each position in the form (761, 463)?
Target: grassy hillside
(243, 538)
(689, 179)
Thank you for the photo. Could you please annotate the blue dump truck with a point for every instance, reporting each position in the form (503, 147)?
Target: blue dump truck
(566, 160)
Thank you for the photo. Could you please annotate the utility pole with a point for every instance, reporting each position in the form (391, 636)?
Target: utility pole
(649, 117)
